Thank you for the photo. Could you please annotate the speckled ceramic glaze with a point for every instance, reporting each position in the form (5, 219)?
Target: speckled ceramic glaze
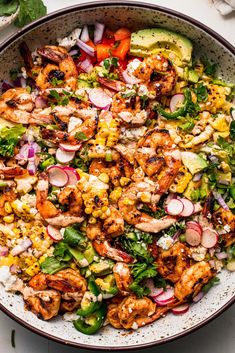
(206, 42)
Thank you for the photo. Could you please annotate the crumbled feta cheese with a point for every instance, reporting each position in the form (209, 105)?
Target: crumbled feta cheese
(132, 66)
(143, 90)
(134, 326)
(84, 262)
(165, 242)
(198, 253)
(70, 316)
(227, 228)
(69, 41)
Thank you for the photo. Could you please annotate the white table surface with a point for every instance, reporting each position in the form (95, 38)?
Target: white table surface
(216, 337)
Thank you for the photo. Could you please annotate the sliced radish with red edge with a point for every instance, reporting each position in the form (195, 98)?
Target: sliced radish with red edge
(163, 302)
(181, 309)
(99, 98)
(57, 176)
(155, 292)
(54, 233)
(193, 237)
(175, 207)
(209, 238)
(64, 156)
(166, 295)
(176, 101)
(188, 207)
(70, 148)
(194, 225)
(73, 176)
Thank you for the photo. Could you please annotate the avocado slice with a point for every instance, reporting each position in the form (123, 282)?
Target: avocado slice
(193, 162)
(162, 41)
(103, 267)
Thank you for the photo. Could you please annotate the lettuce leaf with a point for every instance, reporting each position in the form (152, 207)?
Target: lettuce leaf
(9, 137)
(30, 10)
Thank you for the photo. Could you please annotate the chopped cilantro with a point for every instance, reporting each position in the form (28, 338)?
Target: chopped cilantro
(81, 136)
(201, 92)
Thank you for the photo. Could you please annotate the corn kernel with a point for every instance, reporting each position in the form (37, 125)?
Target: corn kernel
(145, 196)
(115, 194)
(128, 202)
(7, 207)
(88, 210)
(104, 208)
(104, 177)
(92, 220)
(124, 181)
(33, 269)
(97, 213)
(9, 219)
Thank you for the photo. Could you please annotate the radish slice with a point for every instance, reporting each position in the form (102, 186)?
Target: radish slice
(166, 296)
(181, 309)
(175, 207)
(194, 225)
(57, 176)
(130, 79)
(73, 176)
(155, 292)
(209, 238)
(163, 302)
(64, 156)
(192, 237)
(54, 233)
(176, 101)
(99, 98)
(188, 207)
(69, 148)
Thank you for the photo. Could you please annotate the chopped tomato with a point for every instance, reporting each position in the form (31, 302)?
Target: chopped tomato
(123, 63)
(103, 51)
(108, 37)
(122, 49)
(122, 33)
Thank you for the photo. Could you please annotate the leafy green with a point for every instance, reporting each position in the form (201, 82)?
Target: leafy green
(61, 252)
(7, 7)
(9, 137)
(232, 130)
(60, 99)
(74, 237)
(136, 243)
(144, 101)
(209, 68)
(56, 82)
(210, 284)
(128, 94)
(81, 136)
(140, 272)
(156, 214)
(174, 228)
(201, 92)
(30, 10)
(52, 265)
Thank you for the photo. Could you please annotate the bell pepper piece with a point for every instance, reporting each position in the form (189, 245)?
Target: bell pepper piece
(122, 33)
(103, 51)
(122, 49)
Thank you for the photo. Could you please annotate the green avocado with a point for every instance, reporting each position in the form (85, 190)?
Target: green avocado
(193, 162)
(103, 267)
(162, 41)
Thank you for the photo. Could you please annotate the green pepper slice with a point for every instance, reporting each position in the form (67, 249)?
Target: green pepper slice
(95, 322)
(89, 309)
(47, 162)
(232, 191)
(179, 112)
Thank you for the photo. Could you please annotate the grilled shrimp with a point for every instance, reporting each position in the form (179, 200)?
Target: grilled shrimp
(122, 274)
(172, 262)
(128, 110)
(128, 208)
(7, 195)
(12, 172)
(47, 209)
(38, 282)
(71, 197)
(192, 280)
(17, 105)
(158, 73)
(134, 311)
(88, 128)
(44, 304)
(115, 170)
(67, 280)
(224, 217)
(155, 154)
(104, 248)
(66, 70)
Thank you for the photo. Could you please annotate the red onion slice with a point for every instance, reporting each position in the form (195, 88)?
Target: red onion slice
(99, 98)
(86, 65)
(197, 177)
(220, 200)
(87, 48)
(221, 255)
(23, 245)
(85, 34)
(99, 31)
(176, 101)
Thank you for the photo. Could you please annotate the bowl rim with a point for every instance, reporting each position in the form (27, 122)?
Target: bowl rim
(94, 5)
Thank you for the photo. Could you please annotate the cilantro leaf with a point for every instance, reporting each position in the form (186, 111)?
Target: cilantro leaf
(209, 68)
(9, 137)
(210, 284)
(201, 92)
(30, 10)
(81, 136)
(140, 272)
(7, 7)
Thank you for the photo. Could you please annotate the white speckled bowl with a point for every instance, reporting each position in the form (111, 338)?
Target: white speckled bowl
(206, 42)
